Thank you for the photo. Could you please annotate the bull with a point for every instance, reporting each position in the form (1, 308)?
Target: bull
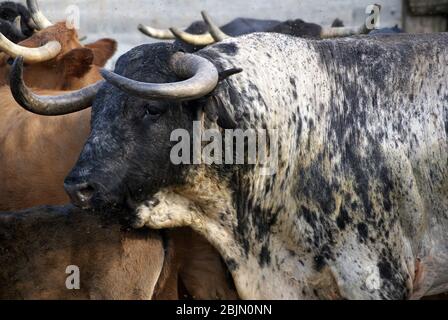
(358, 205)
(202, 33)
(15, 21)
(10, 31)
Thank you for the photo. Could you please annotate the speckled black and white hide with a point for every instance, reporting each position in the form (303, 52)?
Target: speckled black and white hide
(360, 200)
(358, 208)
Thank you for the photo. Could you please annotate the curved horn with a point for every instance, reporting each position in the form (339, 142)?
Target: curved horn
(215, 31)
(334, 32)
(49, 105)
(161, 34)
(41, 21)
(30, 55)
(193, 39)
(202, 78)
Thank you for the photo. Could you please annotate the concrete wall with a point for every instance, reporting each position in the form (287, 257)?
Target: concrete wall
(118, 19)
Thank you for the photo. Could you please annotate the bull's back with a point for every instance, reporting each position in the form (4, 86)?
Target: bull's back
(390, 93)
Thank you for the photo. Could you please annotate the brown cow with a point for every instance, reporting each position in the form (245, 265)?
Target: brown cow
(38, 244)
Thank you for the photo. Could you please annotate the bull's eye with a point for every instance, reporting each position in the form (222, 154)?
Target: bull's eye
(152, 112)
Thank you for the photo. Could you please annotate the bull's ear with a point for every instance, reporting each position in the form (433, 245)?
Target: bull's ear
(216, 112)
(77, 62)
(223, 75)
(103, 50)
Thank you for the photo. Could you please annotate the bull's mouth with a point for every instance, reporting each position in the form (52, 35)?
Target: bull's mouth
(120, 202)
(125, 211)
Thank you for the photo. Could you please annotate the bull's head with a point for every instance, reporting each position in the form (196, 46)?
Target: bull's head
(127, 156)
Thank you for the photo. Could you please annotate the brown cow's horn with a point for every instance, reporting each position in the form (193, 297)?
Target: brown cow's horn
(215, 31)
(162, 34)
(31, 55)
(41, 21)
(193, 39)
(202, 78)
(49, 105)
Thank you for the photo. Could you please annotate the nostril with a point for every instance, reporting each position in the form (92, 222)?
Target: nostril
(85, 192)
(80, 193)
